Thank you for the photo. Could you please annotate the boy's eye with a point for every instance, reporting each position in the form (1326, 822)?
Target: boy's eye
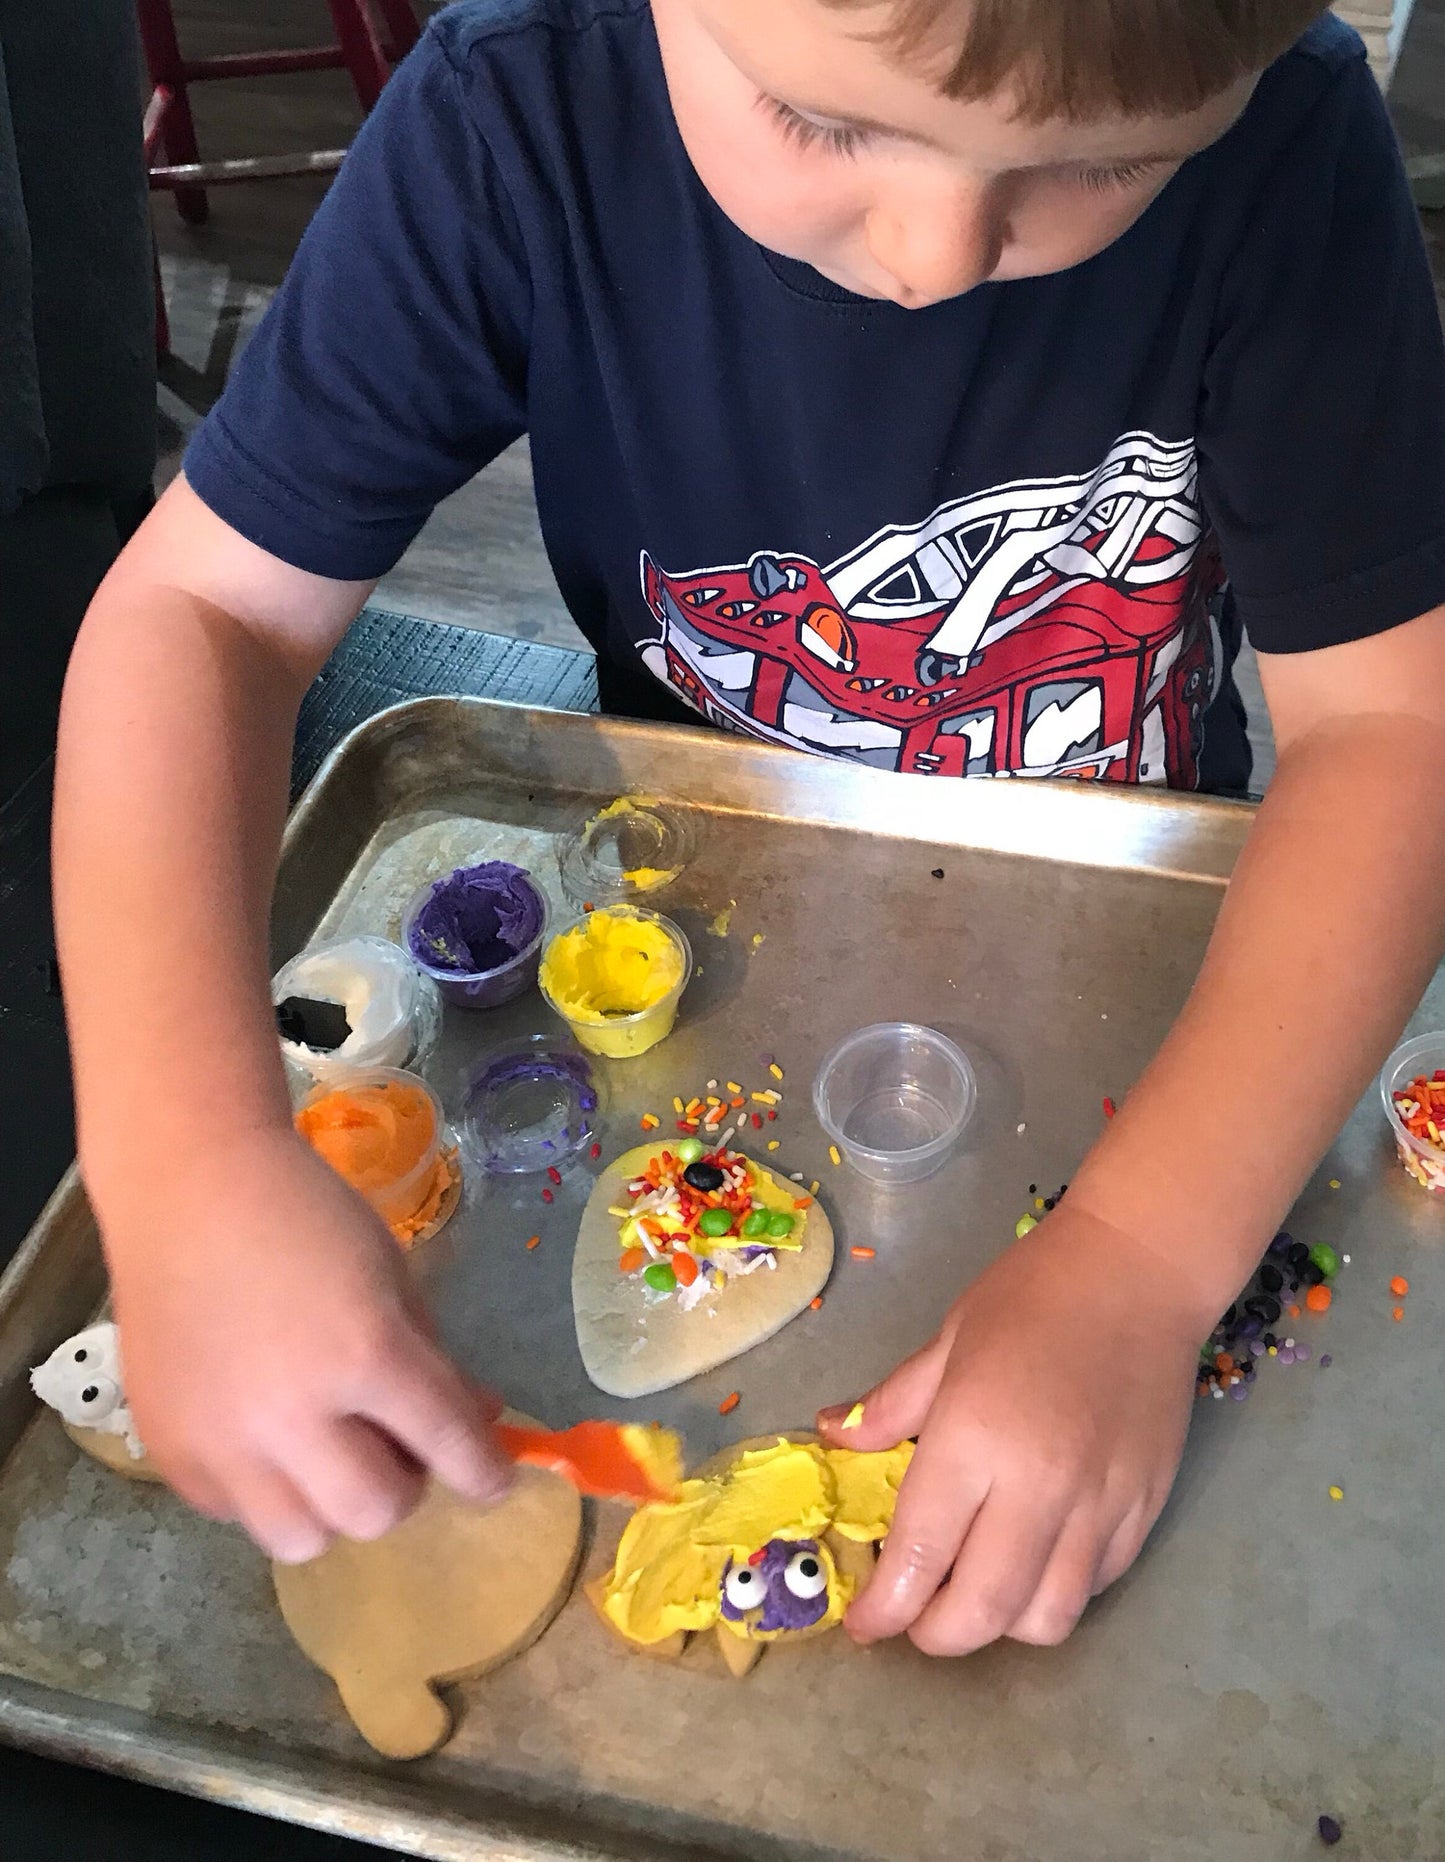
(1117, 175)
(836, 138)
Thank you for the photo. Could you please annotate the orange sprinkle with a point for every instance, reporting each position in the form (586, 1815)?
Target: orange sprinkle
(862, 1254)
(814, 1304)
(1294, 1312)
(589, 906)
(1399, 1286)
(803, 1202)
(1223, 1361)
(1318, 1298)
(649, 1121)
(1398, 1313)
(629, 1260)
(535, 1242)
(729, 1403)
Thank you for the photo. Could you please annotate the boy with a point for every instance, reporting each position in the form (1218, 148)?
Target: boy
(967, 339)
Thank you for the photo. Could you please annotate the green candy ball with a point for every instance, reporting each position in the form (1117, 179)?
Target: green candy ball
(714, 1222)
(755, 1224)
(689, 1151)
(780, 1224)
(1325, 1258)
(659, 1276)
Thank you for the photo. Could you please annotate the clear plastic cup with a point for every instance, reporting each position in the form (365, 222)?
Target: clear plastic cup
(629, 849)
(394, 1010)
(529, 1105)
(895, 1098)
(623, 1035)
(398, 1195)
(1424, 1054)
(477, 989)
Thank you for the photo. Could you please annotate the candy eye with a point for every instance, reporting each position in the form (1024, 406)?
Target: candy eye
(744, 1588)
(89, 1393)
(80, 1357)
(805, 1576)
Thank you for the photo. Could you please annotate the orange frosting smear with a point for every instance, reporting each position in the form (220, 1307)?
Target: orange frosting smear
(378, 1138)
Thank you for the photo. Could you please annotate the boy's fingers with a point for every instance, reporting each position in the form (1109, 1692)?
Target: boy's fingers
(936, 1506)
(996, 1575)
(1065, 1587)
(443, 1421)
(894, 1409)
(359, 1483)
(277, 1518)
(1121, 1551)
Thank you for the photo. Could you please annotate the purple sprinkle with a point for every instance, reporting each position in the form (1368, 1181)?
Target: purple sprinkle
(547, 1145)
(1326, 1361)
(1330, 1831)
(1256, 1347)
(1285, 1354)
(1302, 1354)
(1282, 1243)
(768, 1060)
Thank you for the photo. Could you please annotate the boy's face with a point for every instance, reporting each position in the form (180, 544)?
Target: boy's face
(821, 145)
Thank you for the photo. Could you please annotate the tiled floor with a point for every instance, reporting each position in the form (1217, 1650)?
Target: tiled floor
(480, 560)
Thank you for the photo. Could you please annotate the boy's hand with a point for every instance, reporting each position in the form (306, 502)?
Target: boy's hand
(278, 1366)
(1051, 1411)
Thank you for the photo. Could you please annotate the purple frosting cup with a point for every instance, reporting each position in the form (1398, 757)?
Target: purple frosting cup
(477, 932)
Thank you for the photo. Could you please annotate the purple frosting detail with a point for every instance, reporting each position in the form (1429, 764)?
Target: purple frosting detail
(752, 1250)
(781, 1609)
(477, 919)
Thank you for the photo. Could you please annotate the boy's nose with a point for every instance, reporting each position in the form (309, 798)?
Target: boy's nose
(937, 245)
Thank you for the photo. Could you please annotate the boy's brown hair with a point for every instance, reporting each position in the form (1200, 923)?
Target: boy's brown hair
(1084, 59)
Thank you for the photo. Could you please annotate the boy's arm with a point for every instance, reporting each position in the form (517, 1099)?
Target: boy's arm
(277, 1372)
(1053, 1404)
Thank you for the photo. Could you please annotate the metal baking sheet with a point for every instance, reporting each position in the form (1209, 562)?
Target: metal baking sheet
(1273, 1655)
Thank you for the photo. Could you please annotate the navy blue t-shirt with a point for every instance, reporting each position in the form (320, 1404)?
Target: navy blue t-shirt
(987, 537)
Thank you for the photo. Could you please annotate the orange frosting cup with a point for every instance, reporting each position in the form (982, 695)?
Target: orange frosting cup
(382, 1132)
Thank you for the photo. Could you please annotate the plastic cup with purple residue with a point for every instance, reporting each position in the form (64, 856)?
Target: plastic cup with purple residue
(477, 932)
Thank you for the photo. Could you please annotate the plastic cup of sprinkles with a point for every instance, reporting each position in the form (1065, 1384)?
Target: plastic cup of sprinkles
(894, 1100)
(1412, 1091)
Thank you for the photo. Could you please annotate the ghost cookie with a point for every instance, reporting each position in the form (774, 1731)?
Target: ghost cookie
(687, 1257)
(769, 1543)
(81, 1379)
(453, 1591)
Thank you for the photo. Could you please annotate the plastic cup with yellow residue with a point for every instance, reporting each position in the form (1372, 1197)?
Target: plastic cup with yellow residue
(616, 977)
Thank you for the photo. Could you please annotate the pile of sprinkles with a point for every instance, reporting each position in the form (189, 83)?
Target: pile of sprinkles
(704, 1113)
(1421, 1110)
(697, 1217)
(1290, 1277)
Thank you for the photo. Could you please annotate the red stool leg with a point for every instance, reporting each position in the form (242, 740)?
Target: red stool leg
(401, 25)
(178, 132)
(361, 50)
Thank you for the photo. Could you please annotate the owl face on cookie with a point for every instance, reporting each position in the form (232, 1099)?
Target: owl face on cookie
(768, 1543)
(785, 1586)
(82, 1380)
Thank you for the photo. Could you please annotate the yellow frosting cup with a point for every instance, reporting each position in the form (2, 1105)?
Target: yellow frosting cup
(616, 976)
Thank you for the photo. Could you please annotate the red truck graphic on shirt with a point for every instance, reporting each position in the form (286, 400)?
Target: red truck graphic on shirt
(1047, 627)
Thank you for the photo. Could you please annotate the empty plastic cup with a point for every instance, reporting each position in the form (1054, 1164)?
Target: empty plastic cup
(895, 1098)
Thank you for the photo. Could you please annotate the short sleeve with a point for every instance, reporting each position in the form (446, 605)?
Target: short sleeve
(1322, 424)
(391, 365)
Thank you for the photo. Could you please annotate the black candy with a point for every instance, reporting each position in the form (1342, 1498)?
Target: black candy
(1298, 1254)
(321, 1026)
(1311, 1274)
(703, 1176)
(1270, 1278)
(1330, 1831)
(1264, 1307)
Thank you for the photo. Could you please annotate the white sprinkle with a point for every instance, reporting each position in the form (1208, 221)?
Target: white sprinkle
(795, 1176)
(712, 1086)
(1022, 1130)
(1346, 1259)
